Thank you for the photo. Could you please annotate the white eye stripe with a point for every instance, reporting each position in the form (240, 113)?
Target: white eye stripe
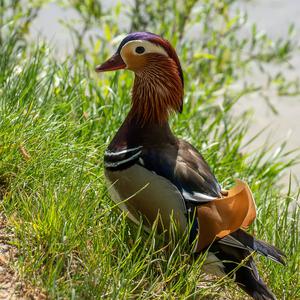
(148, 46)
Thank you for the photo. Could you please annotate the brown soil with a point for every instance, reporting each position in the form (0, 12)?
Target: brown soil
(12, 287)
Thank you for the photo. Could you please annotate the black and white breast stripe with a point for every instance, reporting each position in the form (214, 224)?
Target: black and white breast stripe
(123, 158)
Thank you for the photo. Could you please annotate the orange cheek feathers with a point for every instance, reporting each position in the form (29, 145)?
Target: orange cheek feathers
(133, 62)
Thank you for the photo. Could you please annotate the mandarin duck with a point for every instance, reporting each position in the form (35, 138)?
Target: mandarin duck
(153, 173)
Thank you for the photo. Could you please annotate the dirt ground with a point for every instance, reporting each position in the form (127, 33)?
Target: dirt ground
(12, 287)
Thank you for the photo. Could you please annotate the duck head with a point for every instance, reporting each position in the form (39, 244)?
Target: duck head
(158, 85)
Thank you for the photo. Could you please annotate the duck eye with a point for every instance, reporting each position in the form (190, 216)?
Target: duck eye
(139, 49)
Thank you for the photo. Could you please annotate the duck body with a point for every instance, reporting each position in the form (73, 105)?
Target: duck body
(153, 175)
(148, 168)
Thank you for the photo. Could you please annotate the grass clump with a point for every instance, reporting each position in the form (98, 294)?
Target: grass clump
(57, 118)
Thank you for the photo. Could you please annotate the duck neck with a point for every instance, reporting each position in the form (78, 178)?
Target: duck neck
(133, 134)
(157, 91)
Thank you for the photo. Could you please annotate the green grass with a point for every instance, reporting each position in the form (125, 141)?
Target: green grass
(55, 122)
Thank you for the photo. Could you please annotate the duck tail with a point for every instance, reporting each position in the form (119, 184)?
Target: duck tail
(239, 264)
(233, 255)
